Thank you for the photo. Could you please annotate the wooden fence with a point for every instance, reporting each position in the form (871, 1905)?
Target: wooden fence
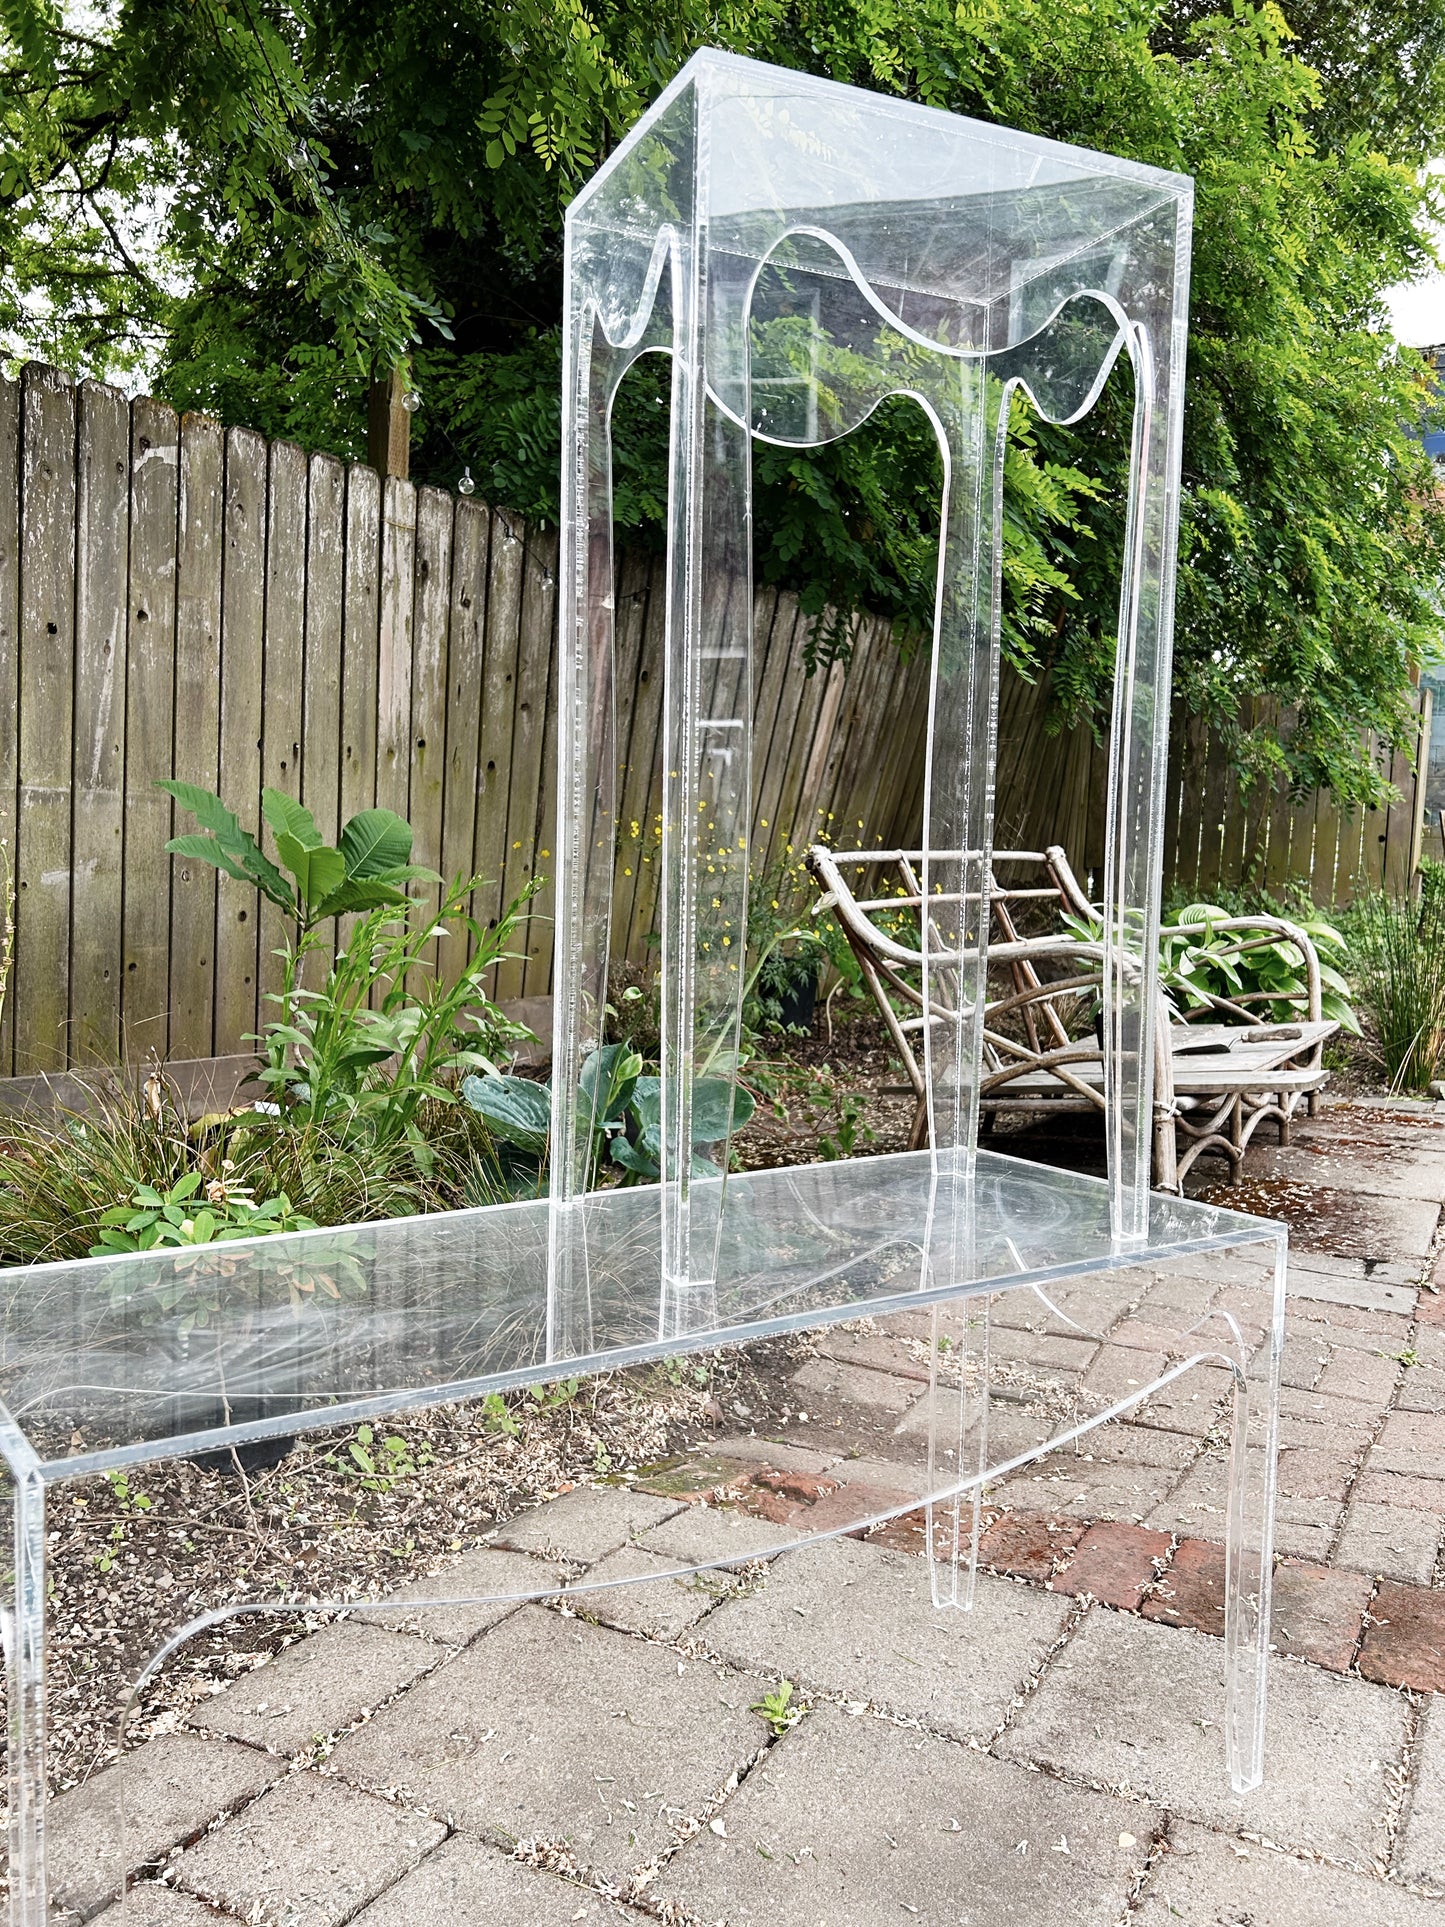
(1052, 789)
(181, 599)
(178, 598)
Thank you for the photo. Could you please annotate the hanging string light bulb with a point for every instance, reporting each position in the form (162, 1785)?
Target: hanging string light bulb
(411, 401)
(466, 486)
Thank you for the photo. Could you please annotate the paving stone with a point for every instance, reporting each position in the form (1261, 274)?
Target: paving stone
(468, 1592)
(661, 1608)
(1199, 1508)
(1306, 1353)
(696, 1477)
(1121, 1442)
(1203, 1880)
(1068, 1487)
(318, 1686)
(803, 1488)
(1132, 1705)
(1192, 1403)
(465, 1883)
(1389, 1542)
(1420, 1850)
(1048, 1350)
(1113, 1564)
(1355, 1224)
(1351, 1330)
(802, 1504)
(838, 1426)
(775, 1451)
(1318, 1613)
(920, 1324)
(554, 1728)
(1012, 1431)
(1116, 1374)
(1366, 1376)
(1422, 1390)
(908, 1533)
(830, 1382)
(1369, 1167)
(871, 1486)
(1412, 1443)
(1339, 1418)
(846, 1618)
(880, 1351)
(1404, 1643)
(1316, 1472)
(1091, 1303)
(1191, 1593)
(1363, 1294)
(1139, 1334)
(151, 1905)
(586, 1524)
(853, 1822)
(1399, 1489)
(1027, 1545)
(1344, 1427)
(1383, 1271)
(1430, 1306)
(159, 1795)
(1187, 1292)
(705, 1534)
(852, 1508)
(311, 1851)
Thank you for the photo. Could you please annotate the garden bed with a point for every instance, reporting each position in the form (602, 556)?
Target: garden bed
(346, 1517)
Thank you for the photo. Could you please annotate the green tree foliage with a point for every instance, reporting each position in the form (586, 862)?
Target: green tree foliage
(263, 200)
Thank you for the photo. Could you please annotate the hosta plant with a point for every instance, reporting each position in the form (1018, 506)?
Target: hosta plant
(619, 1114)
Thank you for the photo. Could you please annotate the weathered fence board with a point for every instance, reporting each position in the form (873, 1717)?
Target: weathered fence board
(243, 618)
(465, 667)
(176, 598)
(9, 663)
(321, 667)
(504, 601)
(527, 759)
(428, 723)
(360, 642)
(198, 735)
(395, 601)
(150, 726)
(47, 616)
(282, 668)
(102, 516)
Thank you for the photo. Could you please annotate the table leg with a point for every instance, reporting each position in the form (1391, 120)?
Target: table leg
(1250, 1547)
(24, 1625)
(957, 1449)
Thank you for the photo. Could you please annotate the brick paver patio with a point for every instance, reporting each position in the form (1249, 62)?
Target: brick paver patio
(1054, 1758)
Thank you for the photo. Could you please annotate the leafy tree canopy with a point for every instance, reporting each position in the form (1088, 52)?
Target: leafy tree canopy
(259, 202)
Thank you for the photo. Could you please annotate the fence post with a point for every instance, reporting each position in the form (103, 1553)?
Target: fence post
(388, 425)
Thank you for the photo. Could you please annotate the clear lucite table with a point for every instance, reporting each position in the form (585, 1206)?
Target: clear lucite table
(106, 1364)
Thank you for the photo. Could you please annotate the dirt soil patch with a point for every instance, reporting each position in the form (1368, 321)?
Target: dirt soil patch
(135, 1557)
